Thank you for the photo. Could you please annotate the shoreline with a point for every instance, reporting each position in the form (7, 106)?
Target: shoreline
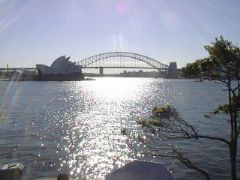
(87, 79)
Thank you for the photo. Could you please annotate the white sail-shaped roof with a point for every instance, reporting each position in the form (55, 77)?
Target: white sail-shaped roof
(61, 65)
(43, 69)
(58, 62)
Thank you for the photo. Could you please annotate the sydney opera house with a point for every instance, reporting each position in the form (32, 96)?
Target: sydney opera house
(61, 70)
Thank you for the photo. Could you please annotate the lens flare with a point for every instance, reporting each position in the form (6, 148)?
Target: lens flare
(122, 7)
(11, 11)
(10, 99)
(118, 42)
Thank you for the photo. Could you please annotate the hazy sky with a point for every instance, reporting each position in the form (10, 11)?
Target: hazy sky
(38, 31)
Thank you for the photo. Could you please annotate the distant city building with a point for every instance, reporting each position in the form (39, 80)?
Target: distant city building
(140, 73)
(61, 69)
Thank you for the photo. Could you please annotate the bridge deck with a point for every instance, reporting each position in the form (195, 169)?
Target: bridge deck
(122, 67)
(12, 69)
(105, 67)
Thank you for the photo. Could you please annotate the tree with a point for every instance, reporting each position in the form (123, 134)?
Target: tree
(191, 70)
(222, 66)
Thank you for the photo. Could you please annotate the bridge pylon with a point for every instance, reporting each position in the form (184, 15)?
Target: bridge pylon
(173, 71)
(101, 71)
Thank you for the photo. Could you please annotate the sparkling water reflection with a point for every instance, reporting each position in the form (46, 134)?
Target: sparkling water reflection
(75, 127)
(93, 141)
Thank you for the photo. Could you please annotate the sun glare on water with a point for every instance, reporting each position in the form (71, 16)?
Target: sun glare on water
(112, 88)
(92, 139)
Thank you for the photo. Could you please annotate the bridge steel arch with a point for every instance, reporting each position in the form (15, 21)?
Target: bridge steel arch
(85, 63)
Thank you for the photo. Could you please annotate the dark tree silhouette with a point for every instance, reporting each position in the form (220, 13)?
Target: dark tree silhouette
(222, 66)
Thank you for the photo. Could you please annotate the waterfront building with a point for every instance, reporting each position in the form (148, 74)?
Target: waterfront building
(62, 69)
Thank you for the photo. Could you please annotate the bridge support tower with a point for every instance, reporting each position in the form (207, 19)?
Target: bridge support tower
(173, 71)
(101, 71)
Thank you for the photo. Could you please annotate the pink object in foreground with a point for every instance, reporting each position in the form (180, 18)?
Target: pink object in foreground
(140, 170)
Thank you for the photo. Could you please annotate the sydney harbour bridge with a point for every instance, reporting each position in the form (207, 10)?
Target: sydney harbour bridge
(122, 60)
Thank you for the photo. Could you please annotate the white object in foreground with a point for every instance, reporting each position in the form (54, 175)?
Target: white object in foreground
(12, 171)
(141, 170)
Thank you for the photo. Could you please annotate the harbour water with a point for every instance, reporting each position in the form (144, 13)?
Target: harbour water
(75, 127)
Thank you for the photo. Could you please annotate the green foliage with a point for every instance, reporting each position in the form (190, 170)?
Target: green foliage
(163, 111)
(223, 66)
(160, 115)
(150, 122)
(224, 109)
(223, 62)
(193, 70)
(236, 100)
(190, 71)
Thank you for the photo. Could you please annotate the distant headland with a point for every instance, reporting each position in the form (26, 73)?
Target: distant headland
(62, 69)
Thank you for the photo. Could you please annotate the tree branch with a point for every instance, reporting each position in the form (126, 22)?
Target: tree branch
(238, 131)
(213, 138)
(183, 160)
